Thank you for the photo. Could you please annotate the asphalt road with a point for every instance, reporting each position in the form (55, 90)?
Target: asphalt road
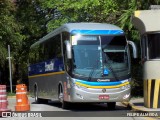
(52, 110)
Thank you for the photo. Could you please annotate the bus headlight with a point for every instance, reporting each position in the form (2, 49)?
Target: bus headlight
(76, 85)
(80, 87)
(126, 87)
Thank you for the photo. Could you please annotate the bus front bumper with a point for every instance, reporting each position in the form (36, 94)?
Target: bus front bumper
(81, 94)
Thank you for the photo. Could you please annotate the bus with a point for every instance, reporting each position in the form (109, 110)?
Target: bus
(81, 63)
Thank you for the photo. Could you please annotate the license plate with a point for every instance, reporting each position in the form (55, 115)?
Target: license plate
(103, 97)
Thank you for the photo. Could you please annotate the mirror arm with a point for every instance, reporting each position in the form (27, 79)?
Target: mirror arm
(134, 48)
(68, 49)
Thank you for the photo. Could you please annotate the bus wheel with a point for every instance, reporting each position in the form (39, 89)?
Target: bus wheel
(38, 100)
(111, 105)
(65, 104)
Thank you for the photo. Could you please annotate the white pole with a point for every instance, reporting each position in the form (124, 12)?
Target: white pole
(10, 67)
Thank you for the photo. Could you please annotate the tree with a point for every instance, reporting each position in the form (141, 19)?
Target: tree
(63, 11)
(32, 19)
(9, 34)
(21, 25)
(9, 29)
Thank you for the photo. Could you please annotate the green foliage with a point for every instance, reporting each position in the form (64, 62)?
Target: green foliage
(11, 94)
(20, 26)
(125, 19)
(3, 54)
(33, 27)
(9, 29)
(80, 11)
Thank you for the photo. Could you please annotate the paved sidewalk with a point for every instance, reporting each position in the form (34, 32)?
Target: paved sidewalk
(137, 104)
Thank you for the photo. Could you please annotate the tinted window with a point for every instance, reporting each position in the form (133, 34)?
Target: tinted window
(154, 46)
(46, 50)
(52, 48)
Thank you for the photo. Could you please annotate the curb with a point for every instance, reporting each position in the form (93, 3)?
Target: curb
(135, 108)
(15, 96)
(11, 96)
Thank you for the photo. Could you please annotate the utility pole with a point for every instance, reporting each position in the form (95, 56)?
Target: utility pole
(10, 67)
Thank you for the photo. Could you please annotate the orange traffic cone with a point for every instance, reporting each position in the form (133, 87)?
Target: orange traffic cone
(22, 102)
(3, 100)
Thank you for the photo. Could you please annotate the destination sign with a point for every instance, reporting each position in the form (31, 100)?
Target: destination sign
(83, 38)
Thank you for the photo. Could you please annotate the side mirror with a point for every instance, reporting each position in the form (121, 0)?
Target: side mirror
(134, 48)
(68, 49)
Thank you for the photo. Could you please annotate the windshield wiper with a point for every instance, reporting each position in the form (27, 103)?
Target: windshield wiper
(92, 71)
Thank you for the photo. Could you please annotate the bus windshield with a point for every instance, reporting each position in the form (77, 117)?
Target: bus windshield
(87, 52)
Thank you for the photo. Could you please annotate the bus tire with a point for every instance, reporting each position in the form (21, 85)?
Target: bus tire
(111, 105)
(36, 99)
(35, 94)
(65, 105)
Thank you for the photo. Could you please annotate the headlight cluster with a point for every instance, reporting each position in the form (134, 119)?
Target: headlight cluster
(126, 87)
(80, 87)
(76, 85)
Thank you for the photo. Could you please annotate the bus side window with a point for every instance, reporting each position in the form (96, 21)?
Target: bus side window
(41, 52)
(52, 48)
(36, 50)
(57, 50)
(47, 49)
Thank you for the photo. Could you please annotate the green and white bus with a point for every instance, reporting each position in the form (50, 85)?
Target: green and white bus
(81, 62)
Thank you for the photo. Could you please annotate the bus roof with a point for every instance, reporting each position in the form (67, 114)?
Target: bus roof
(81, 28)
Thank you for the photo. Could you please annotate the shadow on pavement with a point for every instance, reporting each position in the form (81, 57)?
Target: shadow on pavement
(139, 104)
(86, 106)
